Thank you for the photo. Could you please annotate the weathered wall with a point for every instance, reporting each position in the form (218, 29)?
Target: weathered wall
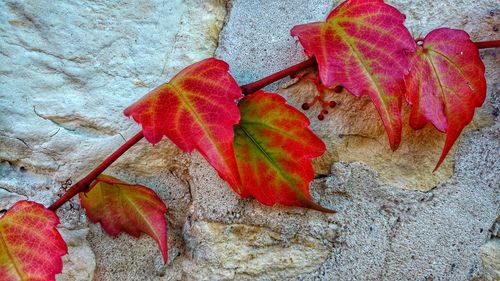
(67, 70)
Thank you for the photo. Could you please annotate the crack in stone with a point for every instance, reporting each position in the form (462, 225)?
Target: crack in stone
(83, 126)
(5, 194)
(24, 142)
(45, 52)
(19, 139)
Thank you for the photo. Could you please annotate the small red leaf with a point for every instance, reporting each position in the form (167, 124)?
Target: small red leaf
(362, 46)
(119, 206)
(274, 147)
(30, 245)
(195, 110)
(445, 84)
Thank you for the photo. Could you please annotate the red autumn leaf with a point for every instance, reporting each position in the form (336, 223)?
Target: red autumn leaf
(30, 245)
(445, 84)
(120, 206)
(362, 46)
(195, 110)
(274, 147)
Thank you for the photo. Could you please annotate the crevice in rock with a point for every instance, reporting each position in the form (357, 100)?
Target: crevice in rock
(9, 198)
(78, 125)
(19, 139)
(495, 229)
(23, 14)
(45, 52)
(229, 8)
(190, 189)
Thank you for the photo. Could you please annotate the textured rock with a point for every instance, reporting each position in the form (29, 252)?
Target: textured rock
(244, 252)
(79, 263)
(216, 209)
(67, 81)
(8, 199)
(392, 234)
(261, 31)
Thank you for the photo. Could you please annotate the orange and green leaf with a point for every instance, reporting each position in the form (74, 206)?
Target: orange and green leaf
(445, 84)
(133, 209)
(274, 147)
(362, 46)
(195, 110)
(30, 245)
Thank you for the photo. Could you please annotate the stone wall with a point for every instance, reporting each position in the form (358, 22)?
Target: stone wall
(69, 68)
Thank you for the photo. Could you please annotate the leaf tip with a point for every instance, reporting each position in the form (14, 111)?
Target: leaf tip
(441, 159)
(395, 144)
(322, 209)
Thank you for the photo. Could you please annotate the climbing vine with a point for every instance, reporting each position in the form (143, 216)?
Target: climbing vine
(261, 146)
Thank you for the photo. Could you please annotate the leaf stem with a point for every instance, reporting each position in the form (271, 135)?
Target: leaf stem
(84, 183)
(247, 89)
(259, 84)
(488, 44)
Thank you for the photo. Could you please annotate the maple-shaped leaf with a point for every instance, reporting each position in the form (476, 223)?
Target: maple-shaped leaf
(445, 84)
(30, 245)
(195, 110)
(362, 46)
(274, 147)
(133, 209)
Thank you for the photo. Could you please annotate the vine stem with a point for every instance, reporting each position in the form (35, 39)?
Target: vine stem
(488, 44)
(247, 89)
(84, 183)
(257, 85)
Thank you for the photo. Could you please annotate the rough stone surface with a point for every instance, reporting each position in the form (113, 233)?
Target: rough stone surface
(8, 199)
(79, 264)
(407, 235)
(254, 251)
(67, 71)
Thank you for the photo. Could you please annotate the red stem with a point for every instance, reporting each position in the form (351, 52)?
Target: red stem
(247, 89)
(257, 85)
(488, 44)
(84, 183)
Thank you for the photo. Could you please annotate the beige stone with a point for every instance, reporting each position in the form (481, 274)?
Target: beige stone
(244, 252)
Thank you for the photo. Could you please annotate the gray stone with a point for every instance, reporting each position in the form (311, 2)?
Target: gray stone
(67, 71)
(256, 40)
(245, 252)
(79, 263)
(392, 234)
(8, 199)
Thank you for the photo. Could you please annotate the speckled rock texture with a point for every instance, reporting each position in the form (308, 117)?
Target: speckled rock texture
(68, 69)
